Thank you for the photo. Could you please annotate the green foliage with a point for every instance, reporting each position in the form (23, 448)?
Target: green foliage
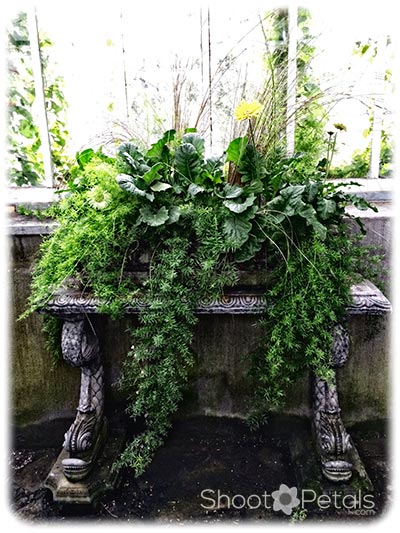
(311, 115)
(25, 160)
(360, 162)
(198, 227)
(309, 296)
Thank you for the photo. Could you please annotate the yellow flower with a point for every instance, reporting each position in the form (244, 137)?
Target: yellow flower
(247, 110)
(98, 197)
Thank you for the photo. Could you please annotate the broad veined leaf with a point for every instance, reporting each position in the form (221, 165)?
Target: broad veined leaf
(213, 165)
(308, 213)
(253, 245)
(195, 140)
(152, 174)
(311, 191)
(254, 186)
(187, 161)
(84, 157)
(194, 189)
(252, 165)
(236, 230)
(159, 150)
(130, 155)
(325, 208)
(160, 186)
(173, 214)
(239, 207)
(154, 218)
(236, 149)
(292, 192)
(127, 183)
(230, 191)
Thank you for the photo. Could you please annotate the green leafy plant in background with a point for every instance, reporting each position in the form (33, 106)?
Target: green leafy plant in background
(311, 114)
(199, 226)
(25, 159)
(360, 162)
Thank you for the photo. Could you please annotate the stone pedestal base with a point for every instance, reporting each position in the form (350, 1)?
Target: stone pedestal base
(307, 467)
(99, 481)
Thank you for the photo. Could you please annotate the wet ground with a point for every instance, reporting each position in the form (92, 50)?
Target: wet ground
(210, 470)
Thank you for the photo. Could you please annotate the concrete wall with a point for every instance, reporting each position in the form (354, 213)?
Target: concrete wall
(41, 390)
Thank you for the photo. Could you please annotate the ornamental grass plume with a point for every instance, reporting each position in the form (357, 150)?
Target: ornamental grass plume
(247, 110)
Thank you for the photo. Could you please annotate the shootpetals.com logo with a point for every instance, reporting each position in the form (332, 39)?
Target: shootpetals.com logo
(287, 499)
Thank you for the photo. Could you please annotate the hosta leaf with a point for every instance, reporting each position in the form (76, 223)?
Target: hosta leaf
(84, 157)
(308, 213)
(154, 219)
(252, 166)
(311, 191)
(236, 230)
(213, 165)
(251, 246)
(292, 192)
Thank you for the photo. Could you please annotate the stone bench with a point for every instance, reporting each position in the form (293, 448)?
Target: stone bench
(83, 469)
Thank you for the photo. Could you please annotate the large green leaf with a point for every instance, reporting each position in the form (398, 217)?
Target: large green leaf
(194, 189)
(236, 150)
(252, 165)
(213, 166)
(153, 173)
(187, 161)
(236, 231)
(128, 183)
(154, 218)
(230, 191)
(252, 245)
(239, 207)
(159, 151)
(326, 208)
(309, 214)
(160, 186)
(174, 214)
(84, 157)
(195, 140)
(131, 159)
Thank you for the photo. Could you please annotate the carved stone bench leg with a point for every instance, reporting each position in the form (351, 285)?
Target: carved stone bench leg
(333, 443)
(72, 478)
(84, 438)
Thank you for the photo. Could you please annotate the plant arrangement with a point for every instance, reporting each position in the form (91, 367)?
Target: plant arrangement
(201, 217)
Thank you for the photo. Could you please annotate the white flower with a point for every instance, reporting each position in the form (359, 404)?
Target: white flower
(285, 499)
(98, 197)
